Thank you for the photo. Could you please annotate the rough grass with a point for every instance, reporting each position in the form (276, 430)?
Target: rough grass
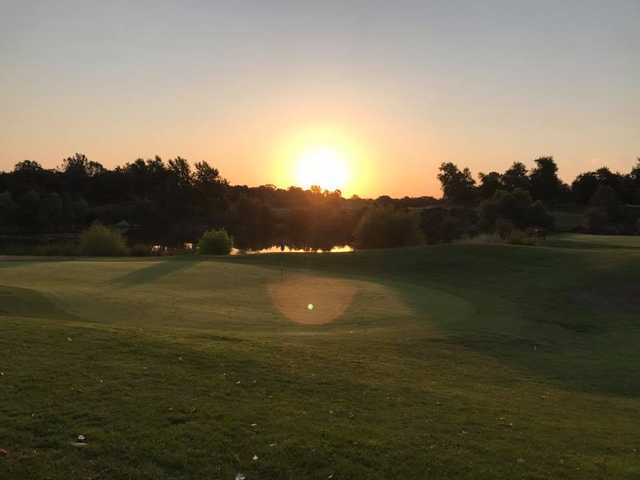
(578, 240)
(461, 361)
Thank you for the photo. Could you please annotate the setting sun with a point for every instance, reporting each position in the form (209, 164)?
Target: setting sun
(323, 166)
(333, 157)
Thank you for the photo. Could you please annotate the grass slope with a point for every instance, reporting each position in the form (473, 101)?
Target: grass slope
(460, 361)
(578, 240)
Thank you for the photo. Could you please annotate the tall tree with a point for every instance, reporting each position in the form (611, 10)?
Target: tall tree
(489, 184)
(516, 177)
(545, 184)
(584, 186)
(457, 186)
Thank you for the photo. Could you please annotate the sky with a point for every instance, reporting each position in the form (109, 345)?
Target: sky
(397, 87)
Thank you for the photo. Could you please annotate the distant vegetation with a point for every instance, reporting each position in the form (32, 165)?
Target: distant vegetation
(520, 202)
(215, 242)
(170, 203)
(100, 241)
(387, 227)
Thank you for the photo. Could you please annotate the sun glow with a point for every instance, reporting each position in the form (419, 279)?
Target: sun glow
(329, 157)
(323, 166)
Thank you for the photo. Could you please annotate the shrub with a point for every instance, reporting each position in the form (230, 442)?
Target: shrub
(518, 237)
(215, 242)
(385, 227)
(441, 224)
(515, 207)
(100, 241)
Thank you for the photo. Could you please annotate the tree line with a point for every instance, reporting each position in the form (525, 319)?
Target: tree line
(172, 202)
(520, 199)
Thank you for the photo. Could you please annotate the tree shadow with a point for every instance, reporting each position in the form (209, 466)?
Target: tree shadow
(153, 272)
(566, 315)
(27, 302)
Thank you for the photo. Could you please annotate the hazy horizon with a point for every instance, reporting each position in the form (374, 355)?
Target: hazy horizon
(400, 87)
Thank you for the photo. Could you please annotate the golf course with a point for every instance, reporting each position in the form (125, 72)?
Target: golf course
(451, 361)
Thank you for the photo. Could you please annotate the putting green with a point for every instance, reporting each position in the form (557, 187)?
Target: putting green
(192, 294)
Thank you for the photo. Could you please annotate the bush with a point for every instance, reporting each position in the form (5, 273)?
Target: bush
(515, 207)
(100, 241)
(518, 237)
(385, 227)
(215, 242)
(443, 225)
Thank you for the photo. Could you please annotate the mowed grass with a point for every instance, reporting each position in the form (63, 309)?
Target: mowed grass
(459, 361)
(579, 240)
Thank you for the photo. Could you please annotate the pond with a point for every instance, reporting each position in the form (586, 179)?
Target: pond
(285, 249)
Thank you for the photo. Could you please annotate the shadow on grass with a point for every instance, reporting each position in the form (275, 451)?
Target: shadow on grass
(565, 315)
(153, 272)
(27, 302)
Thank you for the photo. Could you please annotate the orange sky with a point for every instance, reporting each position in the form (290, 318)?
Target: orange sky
(401, 86)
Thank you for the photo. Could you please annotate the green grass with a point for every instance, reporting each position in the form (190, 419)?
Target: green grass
(579, 240)
(460, 361)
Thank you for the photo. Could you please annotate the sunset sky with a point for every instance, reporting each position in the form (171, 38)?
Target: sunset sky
(394, 87)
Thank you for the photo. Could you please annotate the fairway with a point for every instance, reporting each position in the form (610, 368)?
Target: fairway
(458, 361)
(596, 241)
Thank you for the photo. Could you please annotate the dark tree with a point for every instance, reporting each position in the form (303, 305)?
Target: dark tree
(458, 187)
(516, 176)
(7, 209)
(27, 167)
(584, 186)
(633, 183)
(489, 184)
(443, 225)
(545, 184)
(607, 199)
(517, 208)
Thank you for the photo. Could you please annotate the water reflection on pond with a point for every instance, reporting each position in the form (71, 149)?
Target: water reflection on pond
(285, 249)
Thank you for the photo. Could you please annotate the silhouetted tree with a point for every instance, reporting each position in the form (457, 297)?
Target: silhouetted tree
(516, 176)
(517, 208)
(633, 181)
(545, 184)
(443, 224)
(458, 186)
(27, 167)
(489, 184)
(51, 212)
(584, 186)
(7, 209)
(171, 202)
(607, 200)
(27, 214)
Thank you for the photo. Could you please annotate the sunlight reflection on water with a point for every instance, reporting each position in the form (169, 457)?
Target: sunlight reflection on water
(276, 249)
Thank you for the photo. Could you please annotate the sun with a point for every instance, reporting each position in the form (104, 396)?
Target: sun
(324, 166)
